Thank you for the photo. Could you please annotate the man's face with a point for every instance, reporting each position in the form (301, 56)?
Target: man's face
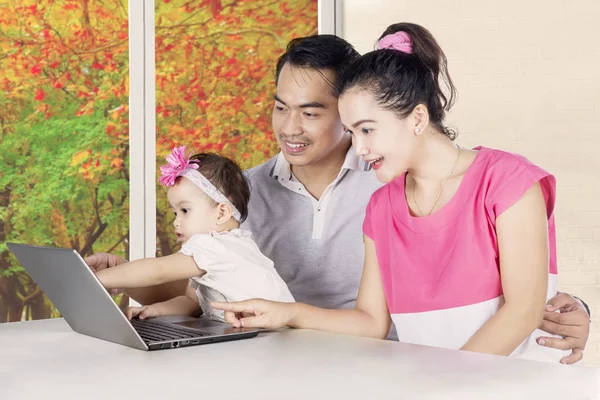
(306, 121)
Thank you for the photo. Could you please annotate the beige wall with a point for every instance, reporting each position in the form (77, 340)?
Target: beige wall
(527, 73)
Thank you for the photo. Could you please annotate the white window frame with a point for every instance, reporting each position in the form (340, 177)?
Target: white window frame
(142, 119)
(142, 131)
(330, 17)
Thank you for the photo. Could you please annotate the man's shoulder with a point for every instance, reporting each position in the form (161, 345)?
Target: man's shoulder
(366, 180)
(261, 171)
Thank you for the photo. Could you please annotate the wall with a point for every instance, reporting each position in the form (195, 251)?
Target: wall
(527, 76)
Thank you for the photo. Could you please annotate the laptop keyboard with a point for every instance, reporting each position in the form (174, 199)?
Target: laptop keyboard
(156, 331)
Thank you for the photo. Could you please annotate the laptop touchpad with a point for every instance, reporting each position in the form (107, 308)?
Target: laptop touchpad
(206, 325)
(200, 323)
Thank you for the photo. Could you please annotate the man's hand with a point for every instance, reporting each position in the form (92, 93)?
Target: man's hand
(100, 261)
(142, 312)
(572, 322)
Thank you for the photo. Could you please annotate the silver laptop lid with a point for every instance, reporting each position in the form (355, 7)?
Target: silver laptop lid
(77, 294)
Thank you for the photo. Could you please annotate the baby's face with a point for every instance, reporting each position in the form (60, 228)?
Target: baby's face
(194, 211)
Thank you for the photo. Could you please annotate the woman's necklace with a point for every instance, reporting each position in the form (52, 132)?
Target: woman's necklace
(441, 190)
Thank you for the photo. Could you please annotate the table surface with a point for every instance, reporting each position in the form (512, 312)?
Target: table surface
(46, 359)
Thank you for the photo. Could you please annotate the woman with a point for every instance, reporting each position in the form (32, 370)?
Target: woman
(460, 245)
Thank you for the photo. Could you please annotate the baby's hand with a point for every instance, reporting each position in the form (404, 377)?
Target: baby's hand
(141, 312)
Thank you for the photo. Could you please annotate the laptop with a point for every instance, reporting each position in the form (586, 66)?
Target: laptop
(88, 308)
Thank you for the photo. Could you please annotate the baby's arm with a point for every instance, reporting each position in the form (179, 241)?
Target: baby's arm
(180, 305)
(149, 272)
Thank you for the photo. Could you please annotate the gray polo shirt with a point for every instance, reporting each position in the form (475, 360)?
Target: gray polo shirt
(316, 245)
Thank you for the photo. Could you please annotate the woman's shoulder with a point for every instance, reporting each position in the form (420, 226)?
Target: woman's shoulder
(499, 168)
(382, 194)
(381, 203)
(501, 161)
(506, 176)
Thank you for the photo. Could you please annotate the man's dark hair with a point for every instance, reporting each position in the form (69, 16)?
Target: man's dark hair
(318, 52)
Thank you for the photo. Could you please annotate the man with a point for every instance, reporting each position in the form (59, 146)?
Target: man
(308, 202)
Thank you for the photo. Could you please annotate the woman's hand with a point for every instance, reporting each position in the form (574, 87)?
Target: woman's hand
(257, 313)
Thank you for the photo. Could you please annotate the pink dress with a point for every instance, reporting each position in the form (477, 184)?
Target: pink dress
(441, 273)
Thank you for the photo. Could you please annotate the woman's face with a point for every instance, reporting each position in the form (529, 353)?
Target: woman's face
(378, 135)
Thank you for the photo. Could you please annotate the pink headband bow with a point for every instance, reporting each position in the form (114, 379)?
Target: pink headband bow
(177, 162)
(399, 41)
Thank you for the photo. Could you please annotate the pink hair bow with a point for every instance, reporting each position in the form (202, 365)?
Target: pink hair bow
(396, 41)
(177, 162)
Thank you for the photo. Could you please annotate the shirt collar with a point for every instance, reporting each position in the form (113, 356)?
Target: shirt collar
(283, 169)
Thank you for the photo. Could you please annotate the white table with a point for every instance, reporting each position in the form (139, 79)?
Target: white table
(45, 359)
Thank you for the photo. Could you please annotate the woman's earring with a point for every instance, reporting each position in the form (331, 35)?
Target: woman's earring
(418, 130)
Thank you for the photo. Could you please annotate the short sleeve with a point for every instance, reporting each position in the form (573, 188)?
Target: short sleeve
(367, 226)
(510, 180)
(371, 214)
(209, 253)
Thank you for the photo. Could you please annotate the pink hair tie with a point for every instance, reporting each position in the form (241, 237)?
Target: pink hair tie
(399, 41)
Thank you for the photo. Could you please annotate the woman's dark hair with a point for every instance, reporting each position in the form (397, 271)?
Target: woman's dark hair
(400, 81)
(317, 52)
(227, 176)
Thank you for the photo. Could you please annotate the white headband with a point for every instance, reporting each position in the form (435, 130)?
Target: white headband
(178, 164)
(211, 191)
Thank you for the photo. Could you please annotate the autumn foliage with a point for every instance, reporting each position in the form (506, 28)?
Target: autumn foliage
(215, 64)
(64, 182)
(64, 133)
